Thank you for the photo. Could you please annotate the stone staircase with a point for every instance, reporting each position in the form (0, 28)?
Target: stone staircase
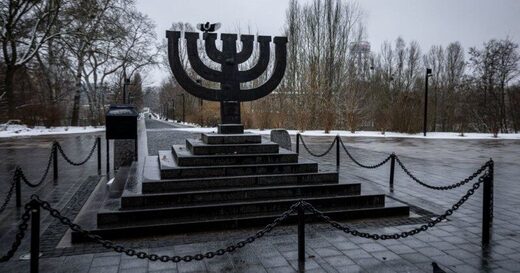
(230, 179)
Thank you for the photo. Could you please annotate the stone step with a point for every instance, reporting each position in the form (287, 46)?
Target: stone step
(201, 212)
(170, 169)
(152, 182)
(215, 138)
(236, 195)
(183, 157)
(391, 209)
(197, 147)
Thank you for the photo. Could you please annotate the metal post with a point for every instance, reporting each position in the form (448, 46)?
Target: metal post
(183, 108)
(18, 189)
(55, 160)
(425, 120)
(35, 235)
(337, 152)
(392, 170)
(108, 156)
(301, 234)
(487, 206)
(298, 143)
(135, 149)
(98, 141)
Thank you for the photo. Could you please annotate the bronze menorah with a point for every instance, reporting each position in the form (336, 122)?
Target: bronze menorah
(230, 95)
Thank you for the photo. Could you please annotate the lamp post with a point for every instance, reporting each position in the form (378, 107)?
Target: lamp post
(428, 74)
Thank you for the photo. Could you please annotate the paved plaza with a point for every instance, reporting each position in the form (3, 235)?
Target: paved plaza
(454, 244)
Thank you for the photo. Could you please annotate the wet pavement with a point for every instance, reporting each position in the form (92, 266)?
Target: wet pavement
(454, 245)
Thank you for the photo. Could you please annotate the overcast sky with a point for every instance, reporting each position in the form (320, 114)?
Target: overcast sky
(429, 22)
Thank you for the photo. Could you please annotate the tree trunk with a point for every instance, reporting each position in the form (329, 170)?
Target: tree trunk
(9, 91)
(77, 95)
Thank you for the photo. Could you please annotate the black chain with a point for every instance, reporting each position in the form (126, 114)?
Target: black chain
(22, 228)
(154, 257)
(449, 187)
(21, 175)
(318, 155)
(361, 164)
(60, 149)
(9, 193)
(403, 234)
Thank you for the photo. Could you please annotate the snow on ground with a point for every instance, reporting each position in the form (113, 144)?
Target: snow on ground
(22, 130)
(156, 117)
(431, 135)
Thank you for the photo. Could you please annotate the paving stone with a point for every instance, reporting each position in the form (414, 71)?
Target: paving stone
(372, 247)
(337, 261)
(283, 269)
(104, 269)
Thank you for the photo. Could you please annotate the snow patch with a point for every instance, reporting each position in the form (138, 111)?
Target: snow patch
(13, 130)
(376, 134)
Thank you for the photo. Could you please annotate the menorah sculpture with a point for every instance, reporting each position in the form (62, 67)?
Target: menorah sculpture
(230, 95)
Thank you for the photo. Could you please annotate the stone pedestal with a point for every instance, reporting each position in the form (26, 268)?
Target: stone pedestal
(124, 152)
(282, 138)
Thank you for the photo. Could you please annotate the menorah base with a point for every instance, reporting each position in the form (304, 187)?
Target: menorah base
(230, 128)
(230, 112)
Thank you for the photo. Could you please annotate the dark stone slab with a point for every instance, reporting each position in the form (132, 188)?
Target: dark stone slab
(209, 211)
(214, 138)
(230, 128)
(282, 138)
(208, 196)
(184, 157)
(234, 222)
(170, 169)
(197, 147)
(152, 182)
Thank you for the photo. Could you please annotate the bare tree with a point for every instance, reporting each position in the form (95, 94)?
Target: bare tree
(493, 67)
(25, 26)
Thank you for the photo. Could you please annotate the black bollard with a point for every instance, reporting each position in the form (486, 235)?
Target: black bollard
(301, 235)
(392, 170)
(98, 141)
(35, 235)
(18, 188)
(337, 152)
(487, 206)
(298, 143)
(55, 160)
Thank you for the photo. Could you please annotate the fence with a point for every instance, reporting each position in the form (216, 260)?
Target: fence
(19, 176)
(33, 209)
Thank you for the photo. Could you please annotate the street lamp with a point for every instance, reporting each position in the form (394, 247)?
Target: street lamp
(428, 74)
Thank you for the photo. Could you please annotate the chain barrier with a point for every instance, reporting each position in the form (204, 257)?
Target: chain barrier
(9, 195)
(60, 149)
(154, 257)
(20, 173)
(22, 228)
(449, 187)
(314, 154)
(403, 234)
(359, 163)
